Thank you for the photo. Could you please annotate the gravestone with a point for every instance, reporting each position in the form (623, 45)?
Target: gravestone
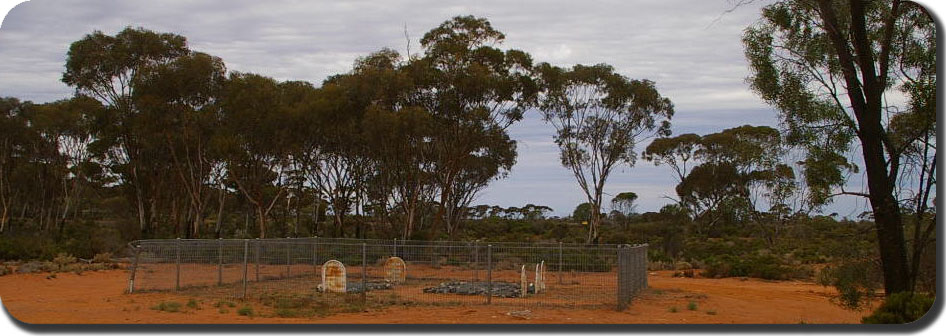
(524, 282)
(333, 277)
(541, 285)
(395, 270)
(538, 278)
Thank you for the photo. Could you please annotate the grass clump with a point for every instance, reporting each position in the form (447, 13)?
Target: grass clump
(692, 305)
(168, 306)
(192, 304)
(673, 309)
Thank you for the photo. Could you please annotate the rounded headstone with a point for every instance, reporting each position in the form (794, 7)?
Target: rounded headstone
(333, 277)
(395, 270)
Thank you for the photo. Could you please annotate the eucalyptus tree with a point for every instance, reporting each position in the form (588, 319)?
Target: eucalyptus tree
(105, 67)
(625, 204)
(178, 101)
(833, 68)
(740, 166)
(474, 91)
(599, 116)
(678, 153)
(67, 126)
(14, 137)
(255, 140)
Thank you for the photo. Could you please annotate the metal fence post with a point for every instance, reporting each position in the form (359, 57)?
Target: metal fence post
(395, 247)
(622, 280)
(258, 243)
(177, 266)
(246, 252)
(364, 275)
(489, 274)
(560, 264)
(134, 269)
(644, 271)
(288, 257)
(315, 254)
(476, 261)
(219, 261)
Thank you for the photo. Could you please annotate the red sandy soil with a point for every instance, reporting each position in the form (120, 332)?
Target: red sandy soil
(99, 298)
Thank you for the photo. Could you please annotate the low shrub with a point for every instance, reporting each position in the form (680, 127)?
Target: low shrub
(856, 281)
(900, 308)
(63, 259)
(245, 311)
(168, 306)
(757, 266)
(102, 258)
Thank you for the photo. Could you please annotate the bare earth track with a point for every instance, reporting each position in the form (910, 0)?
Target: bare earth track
(98, 298)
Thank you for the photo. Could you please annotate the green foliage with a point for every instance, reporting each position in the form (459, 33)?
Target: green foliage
(756, 266)
(692, 305)
(63, 259)
(901, 308)
(598, 116)
(246, 311)
(856, 281)
(168, 306)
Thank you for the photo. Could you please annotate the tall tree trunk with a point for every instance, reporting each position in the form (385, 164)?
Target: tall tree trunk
(261, 221)
(221, 199)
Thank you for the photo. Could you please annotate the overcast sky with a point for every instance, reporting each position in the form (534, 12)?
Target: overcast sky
(691, 49)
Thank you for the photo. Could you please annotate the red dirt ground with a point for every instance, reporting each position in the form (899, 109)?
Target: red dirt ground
(98, 298)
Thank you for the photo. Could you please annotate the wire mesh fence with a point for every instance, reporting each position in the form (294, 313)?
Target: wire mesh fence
(333, 271)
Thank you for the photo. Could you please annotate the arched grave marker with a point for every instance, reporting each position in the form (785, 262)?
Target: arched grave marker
(524, 282)
(334, 277)
(395, 270)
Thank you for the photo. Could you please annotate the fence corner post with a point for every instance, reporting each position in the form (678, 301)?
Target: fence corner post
(219, 261)
(134, 269)
(288, 257)
(489, 273)
(364, 276)
(246, 252)
(256, 256)
(177, 266)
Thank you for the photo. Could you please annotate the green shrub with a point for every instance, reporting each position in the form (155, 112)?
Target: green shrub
(855, 281)
(692, 305)
(102, 258)
(900, 308)
(246, 311)
(168, 306)
(757, 266)
(63, 259)
(673, 309)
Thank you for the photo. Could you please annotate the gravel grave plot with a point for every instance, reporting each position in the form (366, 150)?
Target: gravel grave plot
(500, 289)
(355, 287)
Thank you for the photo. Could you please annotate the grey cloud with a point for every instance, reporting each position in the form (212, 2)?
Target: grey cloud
(688, 48)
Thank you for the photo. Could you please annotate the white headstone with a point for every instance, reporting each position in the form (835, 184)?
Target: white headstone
(524, 282)
(542, 276)
(538, 278)
(333, 277)
(395, 270)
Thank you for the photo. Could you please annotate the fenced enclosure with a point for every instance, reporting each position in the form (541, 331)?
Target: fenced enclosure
(375, 271)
